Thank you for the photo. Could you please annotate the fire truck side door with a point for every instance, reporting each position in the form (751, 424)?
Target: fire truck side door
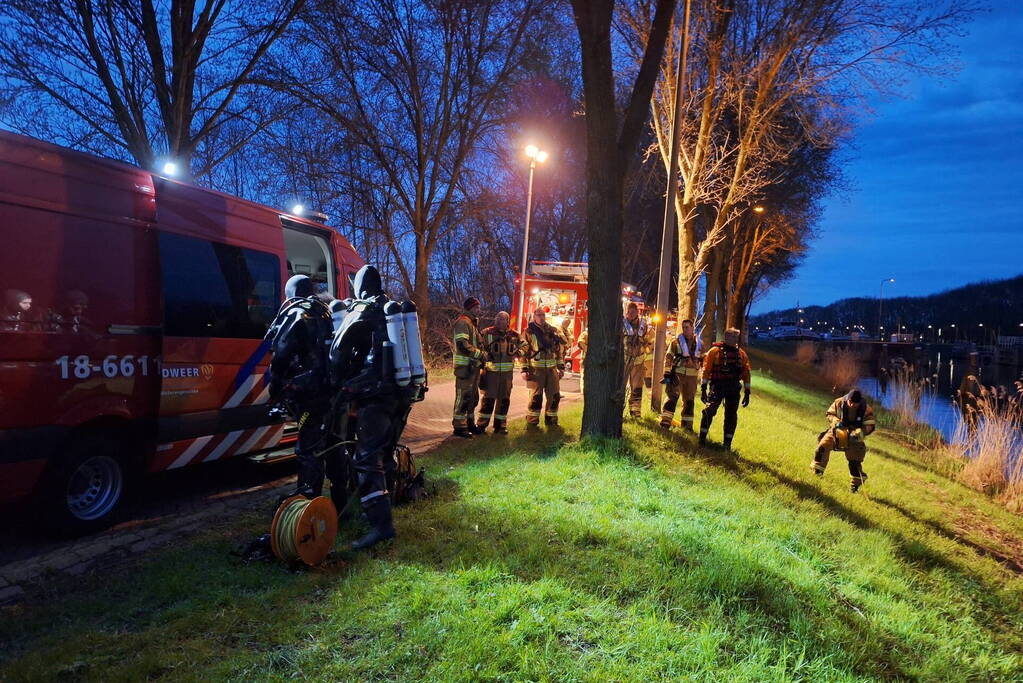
(218, 300)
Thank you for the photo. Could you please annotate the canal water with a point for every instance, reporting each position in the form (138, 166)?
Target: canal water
(937, 407)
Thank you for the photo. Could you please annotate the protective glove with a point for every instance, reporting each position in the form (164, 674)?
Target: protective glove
(703, 393)
(667, 378)
(745, 398)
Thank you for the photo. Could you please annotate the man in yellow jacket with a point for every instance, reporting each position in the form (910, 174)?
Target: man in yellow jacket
(681, 375)
(502, 347)
(543, 367)
(468, 359)
(850, 420)
(637, 347)
(724, 367)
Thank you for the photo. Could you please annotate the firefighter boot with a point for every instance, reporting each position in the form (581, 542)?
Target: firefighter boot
(820, 462)
(477, 429)
(463, 433)
(857, 476)
(378, 513)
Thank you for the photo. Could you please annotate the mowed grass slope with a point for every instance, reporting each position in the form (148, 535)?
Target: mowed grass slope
(545, 559)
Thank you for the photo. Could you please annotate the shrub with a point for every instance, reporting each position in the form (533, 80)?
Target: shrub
(841, 367)
(806, 353)
(990, 437)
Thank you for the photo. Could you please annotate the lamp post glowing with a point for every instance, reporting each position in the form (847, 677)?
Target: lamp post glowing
(880, 304)
(170, 169)
(536, 156)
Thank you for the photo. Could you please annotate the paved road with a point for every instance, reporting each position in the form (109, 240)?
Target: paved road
(174, 504)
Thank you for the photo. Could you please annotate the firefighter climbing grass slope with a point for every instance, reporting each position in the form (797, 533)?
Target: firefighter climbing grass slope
(468, 359)
(543, 367)
(503, 346)
(850, 420)
(724, 367)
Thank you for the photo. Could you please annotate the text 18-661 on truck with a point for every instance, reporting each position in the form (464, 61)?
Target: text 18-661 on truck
(131, 333)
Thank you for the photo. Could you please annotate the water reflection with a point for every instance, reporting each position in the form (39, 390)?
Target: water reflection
(940, 377)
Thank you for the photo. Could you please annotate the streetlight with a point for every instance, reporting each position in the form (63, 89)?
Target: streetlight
(170, 169)
(880, 303)
(536, 156)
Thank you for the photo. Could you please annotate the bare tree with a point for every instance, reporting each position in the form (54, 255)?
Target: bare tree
(416, 87)
(139, 78)
(757, 62)
(609, 147)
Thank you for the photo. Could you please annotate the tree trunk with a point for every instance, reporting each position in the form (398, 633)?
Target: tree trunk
(710, 303)
(604, 393)
(421, 292)
(606, 165)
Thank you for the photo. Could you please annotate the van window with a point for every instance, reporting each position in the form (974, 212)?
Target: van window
(212, 289)
(309, 254)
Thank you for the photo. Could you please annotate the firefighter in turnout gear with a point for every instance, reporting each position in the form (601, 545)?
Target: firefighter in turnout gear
(637, 347)
(850, 420)
(682, 365)
(502, 347)
(543, 366)
(468, 358)
(724, 367)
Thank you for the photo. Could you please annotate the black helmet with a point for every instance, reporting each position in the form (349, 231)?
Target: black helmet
(367, 283)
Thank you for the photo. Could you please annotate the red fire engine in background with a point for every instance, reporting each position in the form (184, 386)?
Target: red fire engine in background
(131, 335)
(560, 289)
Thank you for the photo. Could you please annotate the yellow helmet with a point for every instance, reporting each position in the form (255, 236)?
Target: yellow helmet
(841, 438)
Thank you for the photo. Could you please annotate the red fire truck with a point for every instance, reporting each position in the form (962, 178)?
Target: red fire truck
(131, 334)
(560, 289)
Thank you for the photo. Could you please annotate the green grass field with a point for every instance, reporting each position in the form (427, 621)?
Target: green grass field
(542, 558)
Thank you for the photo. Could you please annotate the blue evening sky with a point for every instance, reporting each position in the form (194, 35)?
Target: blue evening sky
(935, 181)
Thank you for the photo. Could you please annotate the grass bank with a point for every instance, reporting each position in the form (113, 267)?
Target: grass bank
(542, 558)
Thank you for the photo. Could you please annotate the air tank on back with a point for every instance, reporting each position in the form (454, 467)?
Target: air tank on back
(415, 344)
(396, 335)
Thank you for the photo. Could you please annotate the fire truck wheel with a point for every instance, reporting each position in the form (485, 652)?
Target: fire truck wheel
(84, 491)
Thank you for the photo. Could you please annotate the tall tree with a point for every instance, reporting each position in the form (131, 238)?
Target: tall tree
(609, 147)
(753, 64)
(141, 79)
(417, 87)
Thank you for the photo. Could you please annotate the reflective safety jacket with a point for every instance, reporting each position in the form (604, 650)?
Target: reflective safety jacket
(543, 348)
(467, 343)
(502, 348)
(637, 341)
(724, 362)
(861, 418)
(685, 356)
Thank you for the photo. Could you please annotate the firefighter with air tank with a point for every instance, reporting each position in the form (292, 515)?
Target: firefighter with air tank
(502, 347)
(351, 391)
(850, 420)
(726, 371)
